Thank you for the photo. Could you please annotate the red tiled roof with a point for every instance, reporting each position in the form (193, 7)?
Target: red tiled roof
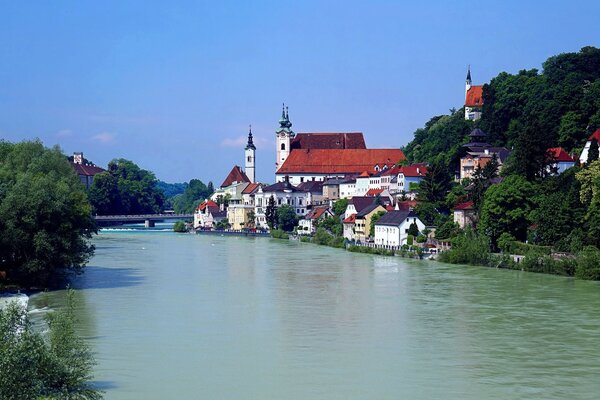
(364, 174)
(559, 154)
(339, 161)
(474, 97)
(207, 203)
(373, 192)
(595, 135)
(414, 170)
(86, 170)
(407, 204)
(329, 140)
(350, 219)
(316, 213)
(391, 171)
(389, 207)
(236, 175)
(464, 206)
(251, 188)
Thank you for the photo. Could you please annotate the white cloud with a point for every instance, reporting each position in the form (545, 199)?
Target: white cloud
(104, 137)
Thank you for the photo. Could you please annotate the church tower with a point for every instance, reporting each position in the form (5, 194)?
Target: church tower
(468, 81)
(250, 158)
(284, 138)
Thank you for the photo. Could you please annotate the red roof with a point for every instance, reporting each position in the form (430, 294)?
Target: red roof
(207, 203)
(407, 205)
(464, 206)
(364, 174)
(391, 171)
(389, 207)
(339, 161)
(350, 219)
(595, 135)
(316, 213)
(373, 192)
(419, 170)
(86, 170)
(559, 154)
(236, 175)
(474, 97)
(329, 140)
(251, 188)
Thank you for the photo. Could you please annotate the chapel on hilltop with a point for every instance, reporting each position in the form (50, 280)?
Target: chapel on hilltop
(473, 99)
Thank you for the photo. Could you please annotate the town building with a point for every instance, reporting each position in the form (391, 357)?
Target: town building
(348, 226)
(308, 224)
(464, 214)
(250, 161)
(348, 188)
(283, 193)
(410, 176)
(561, 160)
(208, 214)
(479, 153)
(391, 229)
(583, 158)
(473, 99)
(362, 224)
(85, 170)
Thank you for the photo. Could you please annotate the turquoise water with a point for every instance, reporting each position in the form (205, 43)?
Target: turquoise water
(206, 317)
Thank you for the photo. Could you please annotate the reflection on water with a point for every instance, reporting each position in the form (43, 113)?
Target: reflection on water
(187, 316)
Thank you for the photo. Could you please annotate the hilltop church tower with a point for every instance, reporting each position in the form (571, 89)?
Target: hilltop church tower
(284, 138)
(473, 99)
(468, 81)
(250, 158)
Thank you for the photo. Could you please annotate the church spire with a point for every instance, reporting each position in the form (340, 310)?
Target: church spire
(469, 74)
(250, 144)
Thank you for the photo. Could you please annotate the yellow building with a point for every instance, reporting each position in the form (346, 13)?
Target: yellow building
(362, 224)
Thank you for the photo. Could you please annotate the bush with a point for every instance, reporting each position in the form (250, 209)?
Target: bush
(370, 250)
(179, 227)
(505, 242)
(588, 264)
(421, 239)
(468, 248)
(279, 234)
(31, 366)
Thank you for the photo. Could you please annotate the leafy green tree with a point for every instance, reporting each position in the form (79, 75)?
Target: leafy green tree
(468, 248)
(251, 220)
(286, 218)
(195, 192)
(413, 230)
(45, 217)
(339, 207)
(506, 208)
(588, 264)
(126, 189)
(571, 131)
(31, 366)
(332, 224)
(223, 224)
(435, 185)
(271, 213)
(179, 227)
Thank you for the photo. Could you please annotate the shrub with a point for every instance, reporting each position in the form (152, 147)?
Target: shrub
(279, 234)
(468, 248)
(588, 264)
(179, 226)
(421, 239)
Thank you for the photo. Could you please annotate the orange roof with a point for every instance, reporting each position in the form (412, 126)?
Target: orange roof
(373, 192)
(236, 175)
(474, 97)
(365, 174)
(339, 161)
(468, 205)
(407, 204)
(207, 203)
(251, 188)
(595, 135)
(350, 219)
(559, 154)
(414, 170)
(316, 213)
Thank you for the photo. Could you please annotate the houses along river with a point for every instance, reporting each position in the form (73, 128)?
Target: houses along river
(176, 316)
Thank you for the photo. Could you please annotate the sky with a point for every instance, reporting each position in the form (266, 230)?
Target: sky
(173, 86)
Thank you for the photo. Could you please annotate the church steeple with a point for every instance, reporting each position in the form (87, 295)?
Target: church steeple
(250, 144)
(284, 136)
(250, 157)
(469, 75)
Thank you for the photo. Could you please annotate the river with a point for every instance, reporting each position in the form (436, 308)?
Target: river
(177, 316)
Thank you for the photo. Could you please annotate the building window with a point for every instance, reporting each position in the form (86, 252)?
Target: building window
(282, 146)
(278, 201)
(302, 179)
(249, 158)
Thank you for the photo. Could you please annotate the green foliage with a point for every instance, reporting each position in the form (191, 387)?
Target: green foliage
(506, 208)
(332, 224)
(271, 213)
(286, 218)
(339, 207)
(59, 366)
(223, 224)
(370, 250)
(542, 263)
(179, 227)
(413, 230)
(593, 151)
(125, 189)
(45, 217)
(505, 242)
(468, 248)
(588, 264)
(195, 193)
(279, 234)
(410, 239)
(421, 239)
(322, 237)
(170, 191)
(434, 187)
(447, 229)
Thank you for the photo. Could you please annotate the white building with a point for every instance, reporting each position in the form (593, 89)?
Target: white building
(283, 193)
(392, 228)
(348, 188)
(583, 158)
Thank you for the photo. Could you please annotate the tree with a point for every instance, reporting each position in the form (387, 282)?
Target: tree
(593, 152)
(31, 366)
(251, 220)
(271, 213)
(211, 187)
(286, 218)
(339, 207)
(413, 230)
(179, 227)
(195, 192)
(435, 185)
(506, 208)
(45, 217)
(223, 224)
(126, 189)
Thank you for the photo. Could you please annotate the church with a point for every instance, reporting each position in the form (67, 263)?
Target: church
(473, 99)
(305, 157)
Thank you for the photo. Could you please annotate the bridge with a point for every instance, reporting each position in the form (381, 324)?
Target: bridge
(148, 219)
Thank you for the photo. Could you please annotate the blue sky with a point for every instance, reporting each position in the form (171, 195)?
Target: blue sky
(174, 87)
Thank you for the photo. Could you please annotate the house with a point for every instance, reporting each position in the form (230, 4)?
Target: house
(308, 224)
(473, 99)
(208, 214)
(282, 193)
(315, 188)
(348, 224)
(306, 157)
(393, 227)
(84, 169)
(409, 177)
(464, 214)
(232, 187)
(362, 183)
(357, 203)
(561, 160)
(389, 179)
(331, 189)
(583, 158)
(362, 224)
(479, 153)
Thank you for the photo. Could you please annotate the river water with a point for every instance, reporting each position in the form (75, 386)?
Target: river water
(177, 316)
